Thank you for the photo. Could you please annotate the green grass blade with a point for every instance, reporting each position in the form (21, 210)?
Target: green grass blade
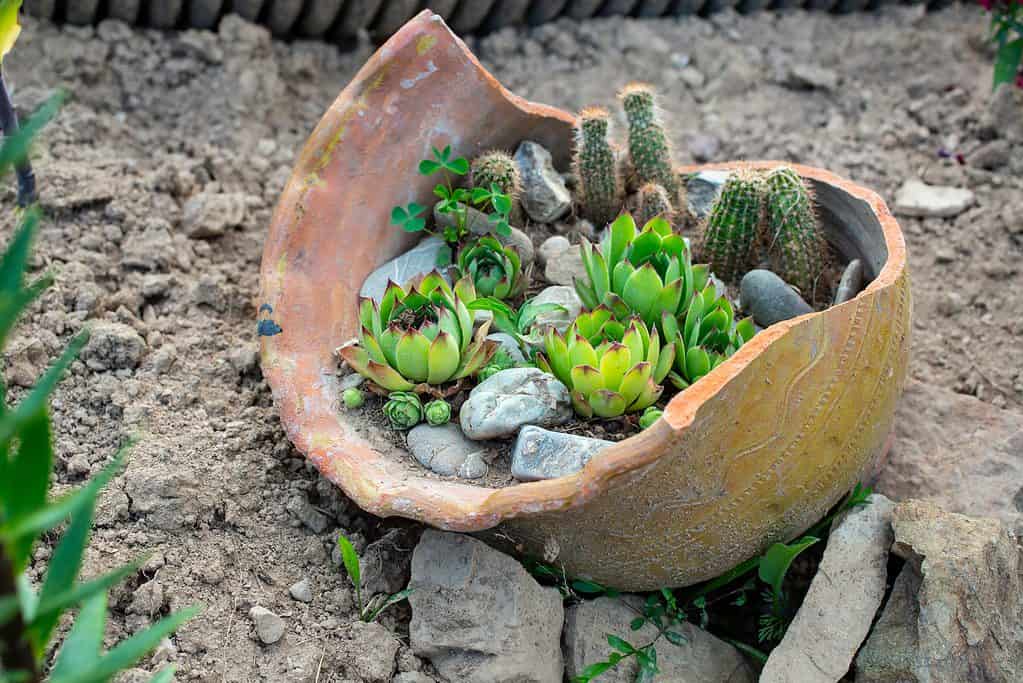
(37, 398)
(13, 304)
(14, 676)
(14, 262)
(81, 647)
(80, 592)
(26, 481)
(8, 608)
(15, 147)
(351, 562)
(57, 511)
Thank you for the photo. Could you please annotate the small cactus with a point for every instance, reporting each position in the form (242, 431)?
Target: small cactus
(795, 246)
(600, 185)
(654, 202)
(733, 224)
(498, 168)
(649, 147)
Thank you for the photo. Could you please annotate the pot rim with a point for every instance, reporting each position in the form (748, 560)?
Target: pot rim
(467, 507)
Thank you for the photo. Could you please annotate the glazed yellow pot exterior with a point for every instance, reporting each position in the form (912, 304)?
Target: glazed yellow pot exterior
(753, 453)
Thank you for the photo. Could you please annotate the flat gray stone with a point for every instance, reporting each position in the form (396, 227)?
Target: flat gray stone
(414, 263)
(566, 267)
(543, 454)
(769, 299)
(916, 198)
(509, 344)
(511, 399)
(479, 617)
(544, 195)
(301, 591)
(851, 282)
(702, 189)
(844, 596)
(563, 296)
(269, 626)
(445, 450)
(702, 658)
(551, 248)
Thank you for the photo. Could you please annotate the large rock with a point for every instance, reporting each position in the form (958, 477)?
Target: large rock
(916, 198)
(544, 195)
(479, 617)
(511, 399)
(413, 264)
(368, 652)
(769, 299)
(565, 297)
(836, 614)
(958, 452)
(446, 451)
(702, 190)
(543, 454)
(701, 659)
(965, 623)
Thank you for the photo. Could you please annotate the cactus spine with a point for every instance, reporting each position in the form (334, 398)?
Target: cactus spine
(795, 246)
(649, 148)
(733, 224)
(600, 184)
(495, 167)
(653, 202)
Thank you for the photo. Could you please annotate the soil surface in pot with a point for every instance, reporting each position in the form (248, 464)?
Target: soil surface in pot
(229, 513)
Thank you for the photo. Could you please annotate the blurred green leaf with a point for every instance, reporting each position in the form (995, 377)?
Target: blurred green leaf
(350, 558)
(391, 600)
(27, 480)
(619, 644)
(14, 676)
(14, 262)
(775, 563)
(82, 591)
(1007, 62)
(82, 645)
(15, 147)
(12, 305)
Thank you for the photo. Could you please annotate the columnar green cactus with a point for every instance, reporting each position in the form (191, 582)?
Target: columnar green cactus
(600, 184)
(654, 202)
(733, 224)
(795, 246)
(498, 168)
(649, 147)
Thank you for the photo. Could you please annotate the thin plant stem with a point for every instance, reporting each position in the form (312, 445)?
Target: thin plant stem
(9, 126)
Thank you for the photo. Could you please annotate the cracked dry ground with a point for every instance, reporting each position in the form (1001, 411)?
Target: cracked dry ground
(228, 513)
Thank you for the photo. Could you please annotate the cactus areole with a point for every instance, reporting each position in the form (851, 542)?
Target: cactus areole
(754, 452)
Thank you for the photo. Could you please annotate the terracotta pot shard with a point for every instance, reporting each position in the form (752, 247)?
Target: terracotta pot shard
(753, 453)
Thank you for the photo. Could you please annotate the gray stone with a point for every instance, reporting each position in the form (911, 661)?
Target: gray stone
(544, 195)
(386, 562)
(351, 381)
(113, 346)
(414, 263)
(916, 198)
(551, 248)
(269, 626)
(477, 223)
(510, 399)
(566, 267)
(542, 454)
(300, 591)
(479, 617)
(1001, 118)
(509, 344)
(209, 214)
(443, 450)
(769, 299)
(702, 658)
(810, 77)
(844, 596)
(563, 296)
(992, 155)
(412, 677)
(851, 282)
(474, 466)
(368, 651)
(702, 189)
(963, 622)
(299, 506)
(475, 220)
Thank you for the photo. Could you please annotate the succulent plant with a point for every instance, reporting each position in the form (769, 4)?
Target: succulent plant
(646, 273)
(650, 416)
(733, 224)
(654, 203)
(403, 409)
(707, 336)
(502, 360)
(353, 398)
(495, 269)
(795, 246)
(421, 338)
(498, 168)
(596, 166)
(649, 148)
(609, 368)
(437, 412)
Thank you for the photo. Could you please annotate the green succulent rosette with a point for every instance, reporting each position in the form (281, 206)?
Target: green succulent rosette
(403, 409)
(420, 338)
(495, 269)
(610, 367)
(437, 412)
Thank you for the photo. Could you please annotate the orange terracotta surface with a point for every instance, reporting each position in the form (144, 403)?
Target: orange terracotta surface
(753, 453)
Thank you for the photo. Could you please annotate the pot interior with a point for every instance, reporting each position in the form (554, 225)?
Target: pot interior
(851, 226)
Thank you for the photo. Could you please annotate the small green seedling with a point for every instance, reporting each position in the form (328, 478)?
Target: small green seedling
(373, 608)
(774, 566)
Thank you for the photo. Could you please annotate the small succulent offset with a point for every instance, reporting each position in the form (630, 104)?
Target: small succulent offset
(647, 273)
(793, 239)
(502, 360)
(403, 409)
(497, 169)
(596, 166)
(437, 412)
(649, 417)
(610, 368)
(649, 147)
(733, 224)
(421, 338)
(495, 269)
(353, 398)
